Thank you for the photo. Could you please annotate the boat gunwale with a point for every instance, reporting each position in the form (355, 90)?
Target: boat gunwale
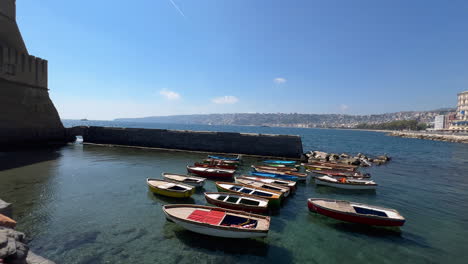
(240, 196)
(216, 170)
(201, 179)
(291, 184)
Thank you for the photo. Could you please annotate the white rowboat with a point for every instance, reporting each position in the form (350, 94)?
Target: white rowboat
(218, 222)
(343, 183)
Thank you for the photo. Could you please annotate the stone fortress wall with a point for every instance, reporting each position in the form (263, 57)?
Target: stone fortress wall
(20, 67)
(27, 115)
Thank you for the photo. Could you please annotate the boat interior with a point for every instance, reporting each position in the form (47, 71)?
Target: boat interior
(237, 200)
(250, 191)
(215, 217)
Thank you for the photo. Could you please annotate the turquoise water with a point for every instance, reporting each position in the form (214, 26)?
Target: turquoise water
(90, 204)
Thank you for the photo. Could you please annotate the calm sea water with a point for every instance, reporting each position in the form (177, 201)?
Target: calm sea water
(90, 204)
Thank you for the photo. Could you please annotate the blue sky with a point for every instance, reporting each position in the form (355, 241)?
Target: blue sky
(112, 58)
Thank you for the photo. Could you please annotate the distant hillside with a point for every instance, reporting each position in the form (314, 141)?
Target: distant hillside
(292, 120)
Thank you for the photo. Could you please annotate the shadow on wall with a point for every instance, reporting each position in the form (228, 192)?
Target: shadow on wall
(24, 157)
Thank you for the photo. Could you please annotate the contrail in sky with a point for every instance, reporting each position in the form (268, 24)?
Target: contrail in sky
(176, 7)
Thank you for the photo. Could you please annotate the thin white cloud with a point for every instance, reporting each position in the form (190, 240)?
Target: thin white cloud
(344, 107)
(169, 95)
(279, 80)
(227, 99)
(177, 8)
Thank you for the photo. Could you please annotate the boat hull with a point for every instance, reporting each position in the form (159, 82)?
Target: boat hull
(346, 186)
(353, 218)
(213, 231)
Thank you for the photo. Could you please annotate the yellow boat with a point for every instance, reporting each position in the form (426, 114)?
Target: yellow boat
(170, 189)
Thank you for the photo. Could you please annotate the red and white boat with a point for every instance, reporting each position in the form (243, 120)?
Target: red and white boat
(211, 172)
(356, 212)
(219, 222)
(216, 165)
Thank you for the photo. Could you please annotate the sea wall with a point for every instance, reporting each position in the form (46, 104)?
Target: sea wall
(218, 142)
(431, 136)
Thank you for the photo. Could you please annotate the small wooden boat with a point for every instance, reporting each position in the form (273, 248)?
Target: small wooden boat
(291, 173)
(277, 188)
(273, 197)
(216, 161)
(322, 167)
(284, 174)
(264, 167)
(218, 222)
(331, 164)
(237, 202)
(355, 174)
(170, 189)
(238, 158)
(187, 179)
(276, 176)
(216, 165)
(281, 162)
(211, 172)
(290, 184)
(356, 212)
(344, 183)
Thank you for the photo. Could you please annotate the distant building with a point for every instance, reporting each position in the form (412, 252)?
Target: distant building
(461, 121)
(439, 122)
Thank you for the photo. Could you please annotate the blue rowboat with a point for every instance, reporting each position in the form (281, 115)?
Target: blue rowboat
(285, 162)
(271, 175)
(223, 158)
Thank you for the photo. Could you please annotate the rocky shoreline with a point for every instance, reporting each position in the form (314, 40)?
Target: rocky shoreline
(431, 136)
(13, 244)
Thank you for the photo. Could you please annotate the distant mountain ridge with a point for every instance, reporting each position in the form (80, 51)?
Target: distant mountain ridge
(292, 120)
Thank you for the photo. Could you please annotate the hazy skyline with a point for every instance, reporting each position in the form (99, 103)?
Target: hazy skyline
(111, 59)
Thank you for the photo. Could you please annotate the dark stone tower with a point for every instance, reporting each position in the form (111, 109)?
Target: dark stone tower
(27, 115)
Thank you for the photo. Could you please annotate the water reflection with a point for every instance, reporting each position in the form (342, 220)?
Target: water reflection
(20, 158)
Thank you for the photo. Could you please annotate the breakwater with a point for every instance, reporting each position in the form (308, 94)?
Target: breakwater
(431, 136)
(287, 146)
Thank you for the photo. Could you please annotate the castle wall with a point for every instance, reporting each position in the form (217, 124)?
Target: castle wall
(20, 67)
(27, 115)
(218, 142)
(9, 32)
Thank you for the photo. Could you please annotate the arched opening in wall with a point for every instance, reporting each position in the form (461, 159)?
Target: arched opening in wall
(79, 140)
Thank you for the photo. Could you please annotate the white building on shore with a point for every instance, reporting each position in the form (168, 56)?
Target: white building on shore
(461, 122)
(439, 122)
